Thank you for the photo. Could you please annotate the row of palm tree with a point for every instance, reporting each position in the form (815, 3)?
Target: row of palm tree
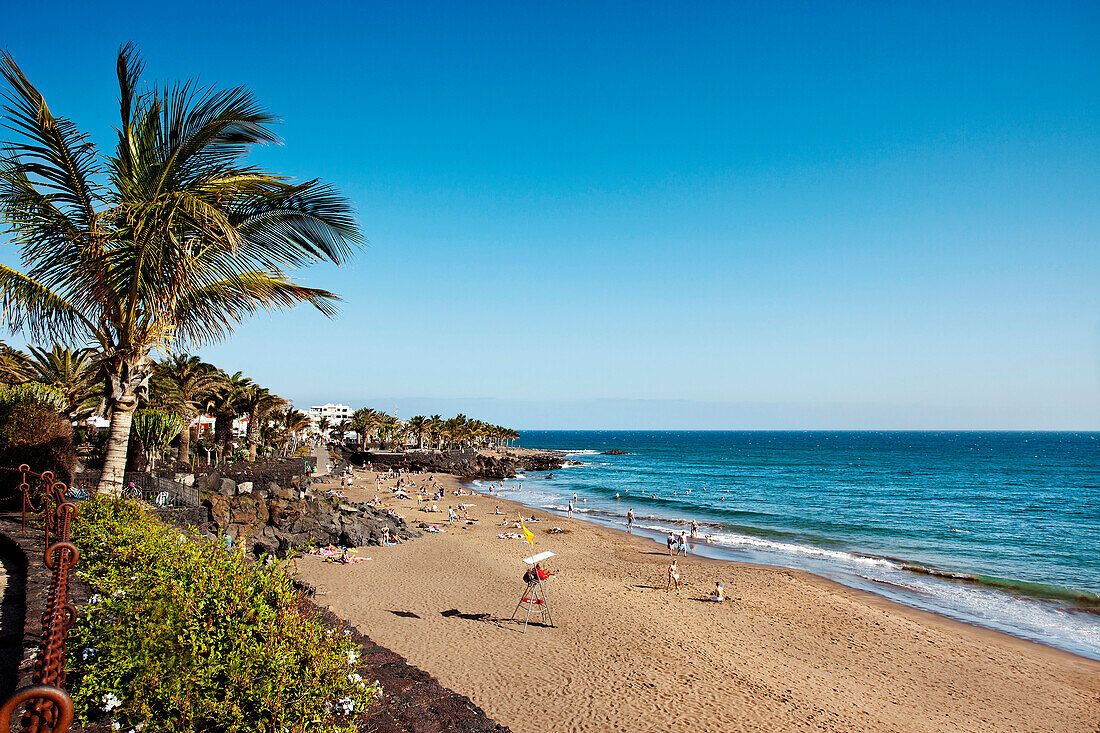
(181, 388)
(166, 243)
(457, 432)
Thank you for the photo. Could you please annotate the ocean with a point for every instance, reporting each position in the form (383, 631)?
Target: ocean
(998, 529)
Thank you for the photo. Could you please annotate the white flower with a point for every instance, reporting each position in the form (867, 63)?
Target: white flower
(346, 705)
(110, 702)
(88, 653)
(355, 677)
(347, 632)
(353, 657)
(119, 593)
(95, 599)
(115, 724)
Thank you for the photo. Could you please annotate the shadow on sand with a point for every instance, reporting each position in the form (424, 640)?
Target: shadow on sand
(404, 614)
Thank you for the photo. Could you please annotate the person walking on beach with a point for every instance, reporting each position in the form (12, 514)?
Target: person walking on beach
(682, 542)
(673, 577)
(630, 520)
(694, 528)
(671, 544)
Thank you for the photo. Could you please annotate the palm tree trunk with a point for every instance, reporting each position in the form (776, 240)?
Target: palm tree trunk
(118, 441)
(223, 430)
(253, 436)
(185, 442)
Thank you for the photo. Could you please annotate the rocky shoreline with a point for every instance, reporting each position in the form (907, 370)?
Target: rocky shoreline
(468, 464)
(274, 520)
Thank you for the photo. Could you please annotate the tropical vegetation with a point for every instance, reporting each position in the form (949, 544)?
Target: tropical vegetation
(170, 241)
(211, 641)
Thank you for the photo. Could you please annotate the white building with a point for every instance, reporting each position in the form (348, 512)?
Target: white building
(334, 413)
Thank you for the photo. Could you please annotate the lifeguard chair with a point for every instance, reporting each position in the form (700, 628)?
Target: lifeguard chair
(536, 597)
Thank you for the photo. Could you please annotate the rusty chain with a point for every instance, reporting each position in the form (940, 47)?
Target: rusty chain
(49, 709)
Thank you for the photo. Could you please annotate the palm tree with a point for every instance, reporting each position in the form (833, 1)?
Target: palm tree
(417, 427)
(435, 430)
(323, 425)
(364, 420)
(388, 429)
(73, 372)
(274, 434)
(339, 427)
(170, 241)
(12, 365)
(258, 403)
(225, 405)
(294, 423)
(191, 383)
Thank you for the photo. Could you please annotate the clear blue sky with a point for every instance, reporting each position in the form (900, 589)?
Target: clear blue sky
(729, 215)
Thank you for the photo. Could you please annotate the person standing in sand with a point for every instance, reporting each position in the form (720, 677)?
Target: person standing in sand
(630, 520)
(673, 577)
(569, 510)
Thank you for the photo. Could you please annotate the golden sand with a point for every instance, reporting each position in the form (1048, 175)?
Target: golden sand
(787, 651)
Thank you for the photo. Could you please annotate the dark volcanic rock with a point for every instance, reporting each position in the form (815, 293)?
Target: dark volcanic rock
(541, 462)
(467, 464)
(276, 525)
(615, 452)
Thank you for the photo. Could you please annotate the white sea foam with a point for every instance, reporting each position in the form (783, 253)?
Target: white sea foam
(1014, 615)
(725, 539)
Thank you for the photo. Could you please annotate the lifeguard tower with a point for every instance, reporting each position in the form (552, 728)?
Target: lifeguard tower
(536, 597)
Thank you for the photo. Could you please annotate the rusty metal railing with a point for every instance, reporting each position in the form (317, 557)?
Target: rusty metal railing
(48, 707)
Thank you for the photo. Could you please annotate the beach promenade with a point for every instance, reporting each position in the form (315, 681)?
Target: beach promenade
(786, 652)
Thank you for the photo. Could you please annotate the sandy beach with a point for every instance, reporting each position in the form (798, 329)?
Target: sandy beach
(786, 651)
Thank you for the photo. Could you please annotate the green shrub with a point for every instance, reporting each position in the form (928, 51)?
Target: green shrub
(183, 635)
(32, 432)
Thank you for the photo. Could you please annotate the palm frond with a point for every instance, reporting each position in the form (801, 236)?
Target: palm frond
(129, 68)
(53, 149)
(294, 224)
(210, 312)
(45, 315)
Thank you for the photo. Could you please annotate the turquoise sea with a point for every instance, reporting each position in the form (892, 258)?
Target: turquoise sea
(999, 529)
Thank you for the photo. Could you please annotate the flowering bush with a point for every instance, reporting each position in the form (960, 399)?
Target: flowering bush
(183, 635)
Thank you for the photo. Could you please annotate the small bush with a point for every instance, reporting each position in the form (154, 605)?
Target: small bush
(182, 635)
(32, 432)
